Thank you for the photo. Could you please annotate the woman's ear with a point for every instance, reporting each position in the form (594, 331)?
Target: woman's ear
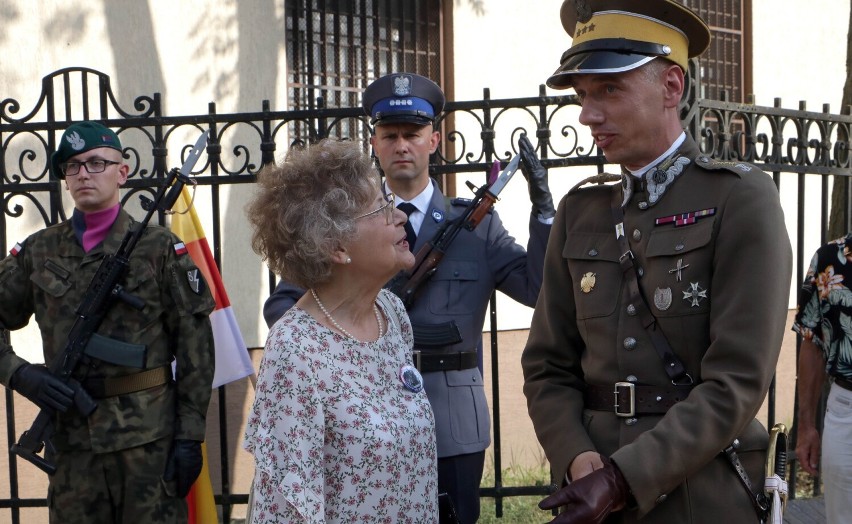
(341, 256)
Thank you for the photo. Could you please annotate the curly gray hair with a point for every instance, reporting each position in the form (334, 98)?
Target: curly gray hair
(305, 208)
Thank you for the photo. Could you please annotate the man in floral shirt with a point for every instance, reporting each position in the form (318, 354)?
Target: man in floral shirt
(824, 320)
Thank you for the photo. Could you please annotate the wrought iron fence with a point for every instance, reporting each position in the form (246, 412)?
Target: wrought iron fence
(789, 144)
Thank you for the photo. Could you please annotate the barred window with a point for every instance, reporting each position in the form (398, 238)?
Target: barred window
(336, 47)
(726, 65)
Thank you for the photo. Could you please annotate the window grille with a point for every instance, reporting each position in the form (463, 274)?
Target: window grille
(724, 66)
(336, 47)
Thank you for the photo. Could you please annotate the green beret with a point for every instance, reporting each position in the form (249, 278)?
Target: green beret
(79, 138)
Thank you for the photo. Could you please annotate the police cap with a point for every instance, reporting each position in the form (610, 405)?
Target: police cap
(613, 36)
(403, 98)
(79, 138)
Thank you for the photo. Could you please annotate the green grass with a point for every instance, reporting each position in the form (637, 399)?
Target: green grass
(517, 510)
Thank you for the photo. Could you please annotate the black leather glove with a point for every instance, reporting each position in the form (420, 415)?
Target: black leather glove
(184, 465)
(39, 385)
(536, 176)
(592, 498)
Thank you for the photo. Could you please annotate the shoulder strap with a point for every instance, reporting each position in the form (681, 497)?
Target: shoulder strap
(673, 366)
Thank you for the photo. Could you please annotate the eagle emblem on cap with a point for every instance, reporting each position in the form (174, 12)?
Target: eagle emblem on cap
(402, 86)
(584, 12)
(76, 141)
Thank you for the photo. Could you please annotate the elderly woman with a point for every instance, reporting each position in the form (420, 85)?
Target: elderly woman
(341, 429)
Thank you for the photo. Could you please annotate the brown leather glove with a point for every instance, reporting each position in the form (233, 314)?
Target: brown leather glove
(593, 497)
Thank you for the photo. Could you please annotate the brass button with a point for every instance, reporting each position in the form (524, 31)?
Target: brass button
(632, 378)
(629, 343)
(662, 498)
(640, 271)
(643, 205)
(679, 247)
(593, 252)
(637, 235)
(631, 310)
(631, 421)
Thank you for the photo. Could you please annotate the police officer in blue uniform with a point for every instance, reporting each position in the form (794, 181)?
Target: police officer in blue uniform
(449, 311)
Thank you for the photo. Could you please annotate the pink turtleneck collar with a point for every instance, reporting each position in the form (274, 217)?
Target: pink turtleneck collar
(92, 228)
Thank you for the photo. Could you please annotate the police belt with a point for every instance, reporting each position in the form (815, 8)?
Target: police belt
(431, 362)
(114, 386)
(627, 399)
(844, 383)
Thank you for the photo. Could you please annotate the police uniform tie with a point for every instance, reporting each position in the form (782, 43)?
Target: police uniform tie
(411, 236)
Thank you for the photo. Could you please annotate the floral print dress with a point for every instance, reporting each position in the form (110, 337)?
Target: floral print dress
(335, 435)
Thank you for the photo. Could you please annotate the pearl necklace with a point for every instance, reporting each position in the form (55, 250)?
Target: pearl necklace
(338, 326)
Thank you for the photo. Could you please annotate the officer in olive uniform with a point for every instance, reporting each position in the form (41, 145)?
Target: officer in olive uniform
(664, 302)
(136, 456)
(449, 311)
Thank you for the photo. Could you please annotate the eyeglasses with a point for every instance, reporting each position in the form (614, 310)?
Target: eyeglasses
(387, 208)
(93, 165)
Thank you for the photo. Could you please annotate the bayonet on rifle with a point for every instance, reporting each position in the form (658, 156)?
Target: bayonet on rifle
(430, 254)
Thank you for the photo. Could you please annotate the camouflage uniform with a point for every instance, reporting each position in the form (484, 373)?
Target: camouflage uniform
(47, 276)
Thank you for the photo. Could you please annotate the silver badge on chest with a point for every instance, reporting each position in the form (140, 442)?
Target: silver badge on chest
(663, 298)
(695, 294)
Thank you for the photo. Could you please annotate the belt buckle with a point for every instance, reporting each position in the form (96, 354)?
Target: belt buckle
(631, 389)
(417, 360)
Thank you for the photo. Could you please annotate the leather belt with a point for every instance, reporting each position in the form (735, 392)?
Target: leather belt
(431, 362)
(114, 386)
(844, 383)
(627, 399)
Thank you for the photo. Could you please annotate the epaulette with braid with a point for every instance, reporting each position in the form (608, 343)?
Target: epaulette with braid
(601, 178)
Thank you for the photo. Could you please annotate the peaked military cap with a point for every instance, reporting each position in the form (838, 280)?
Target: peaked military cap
(613, 36)
(79, 138)
(403, 98)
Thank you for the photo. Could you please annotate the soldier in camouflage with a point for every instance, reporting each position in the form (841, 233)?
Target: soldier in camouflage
(136, 456)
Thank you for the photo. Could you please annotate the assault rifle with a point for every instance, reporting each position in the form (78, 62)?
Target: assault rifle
(103, 291)
(428, 257)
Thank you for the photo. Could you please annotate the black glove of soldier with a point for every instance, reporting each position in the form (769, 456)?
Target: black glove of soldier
(39, 385)
(184, 465)
(536, 176)
(592, 498)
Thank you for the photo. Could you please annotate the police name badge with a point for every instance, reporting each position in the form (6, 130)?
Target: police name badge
(411, 378)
